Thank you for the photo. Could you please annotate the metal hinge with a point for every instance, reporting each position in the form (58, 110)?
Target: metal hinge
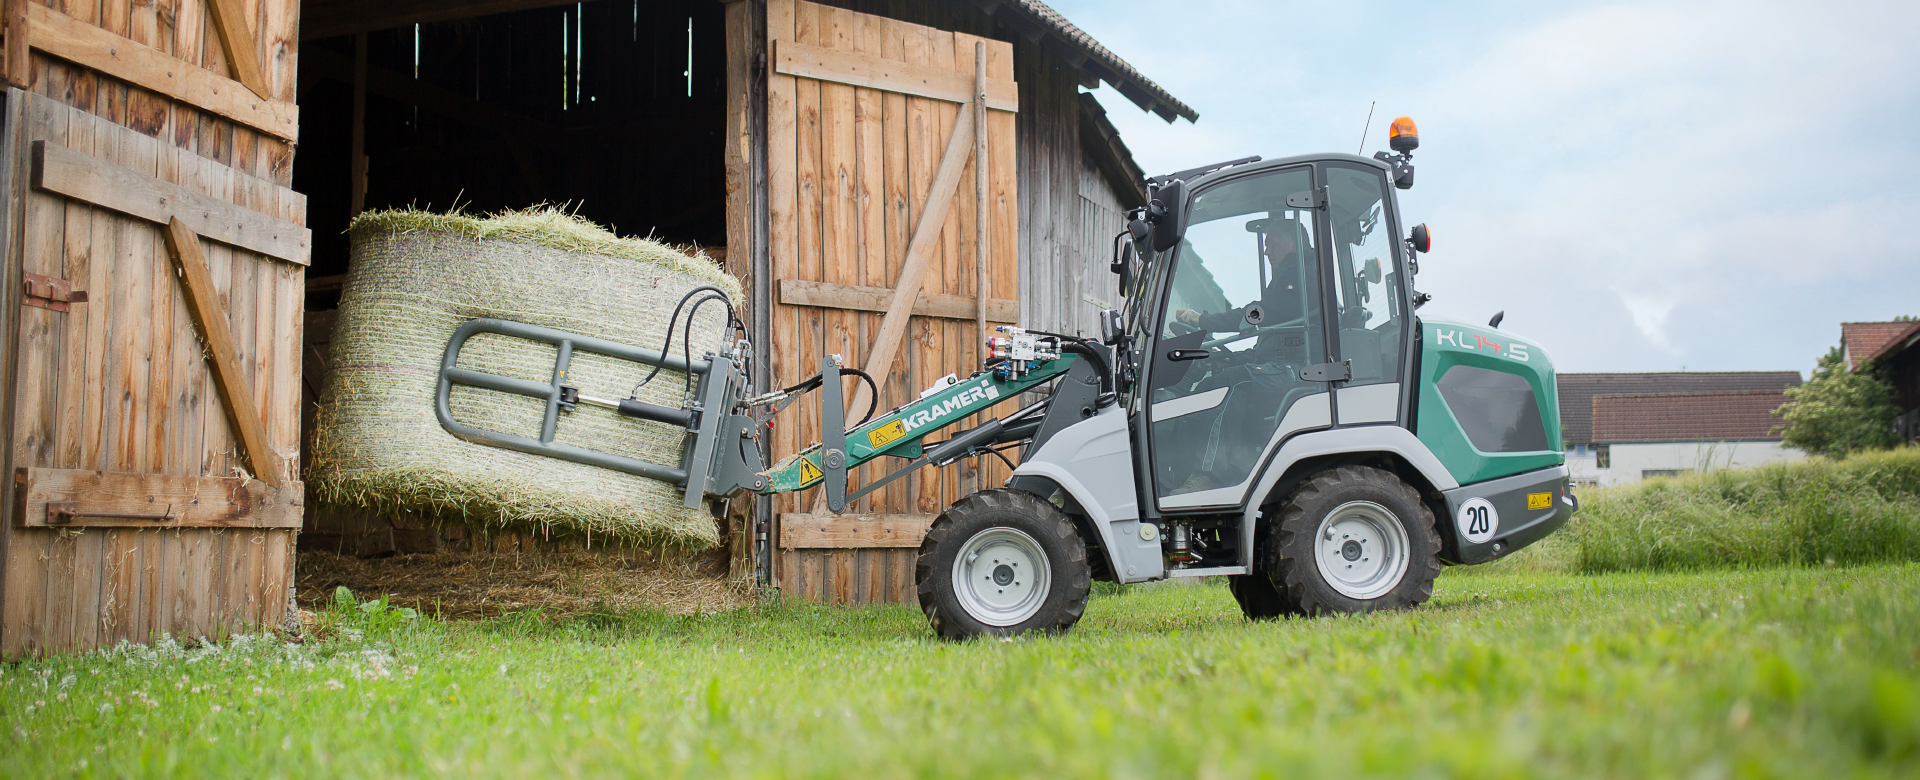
(47, 292)
(1328, 372)
(1315, 198)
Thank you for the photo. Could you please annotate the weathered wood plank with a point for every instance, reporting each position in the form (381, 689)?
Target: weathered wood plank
(823, 531)
(69, 498)
(782, 217)
(71, 39)
(800, 292)
(926, 234)
(204, 301)
(865, 70)
(88, 178)
(19, 62)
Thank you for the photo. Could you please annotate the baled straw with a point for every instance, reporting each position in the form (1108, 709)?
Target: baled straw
(415, 277)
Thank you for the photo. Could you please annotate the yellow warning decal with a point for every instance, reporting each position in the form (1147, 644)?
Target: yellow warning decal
(1539, 500)
(808, 471)
(886, 434)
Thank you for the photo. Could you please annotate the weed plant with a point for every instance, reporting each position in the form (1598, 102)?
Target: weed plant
(1815, 512)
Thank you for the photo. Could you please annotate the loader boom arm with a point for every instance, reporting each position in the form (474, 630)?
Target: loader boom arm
(902, 432)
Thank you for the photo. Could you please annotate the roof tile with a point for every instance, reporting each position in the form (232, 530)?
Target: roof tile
(1577, 391)
(1706, 417)
(1865, 341)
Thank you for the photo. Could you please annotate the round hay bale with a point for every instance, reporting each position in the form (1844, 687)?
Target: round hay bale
(415, 277)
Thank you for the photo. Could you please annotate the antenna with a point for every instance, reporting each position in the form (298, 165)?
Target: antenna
(1369, 126)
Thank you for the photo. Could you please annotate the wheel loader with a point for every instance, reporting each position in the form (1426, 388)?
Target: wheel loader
(1266, 407)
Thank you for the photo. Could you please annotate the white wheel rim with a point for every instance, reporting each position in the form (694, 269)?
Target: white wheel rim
(1361, 549)
(1001, 576)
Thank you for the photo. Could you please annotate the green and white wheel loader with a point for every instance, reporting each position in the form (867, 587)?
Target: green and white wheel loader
(1266, 407)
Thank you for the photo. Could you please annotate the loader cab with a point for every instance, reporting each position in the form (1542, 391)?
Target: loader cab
(1280, 306)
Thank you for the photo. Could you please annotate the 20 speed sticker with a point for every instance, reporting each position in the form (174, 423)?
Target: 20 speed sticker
(1478, 520)
(1539, 500)
(886, 434)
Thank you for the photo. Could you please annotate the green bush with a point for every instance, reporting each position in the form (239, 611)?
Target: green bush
(1861, 509)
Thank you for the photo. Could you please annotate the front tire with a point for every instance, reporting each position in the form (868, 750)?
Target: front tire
(1354, 539)
(1002, 563)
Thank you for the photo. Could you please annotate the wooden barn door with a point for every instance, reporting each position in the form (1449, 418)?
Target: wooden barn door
(156, 387)
(868, 188)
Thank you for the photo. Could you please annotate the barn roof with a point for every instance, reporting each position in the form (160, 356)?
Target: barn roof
(1704, 417)
(1039, 21)
(1864, 342)
(1577, 391)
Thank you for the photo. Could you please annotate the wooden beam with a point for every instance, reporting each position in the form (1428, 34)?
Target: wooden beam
(203, 301)
(826, 531)
(69, 498)
(357, 155)
(83, 177)
(19, 64)
(828, 295)
(243, 54)
(71, 39)
(865, 70)
(328, 18)
(981, 293)
(913, 272)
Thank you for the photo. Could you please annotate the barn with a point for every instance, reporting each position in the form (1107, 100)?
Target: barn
(179, 175)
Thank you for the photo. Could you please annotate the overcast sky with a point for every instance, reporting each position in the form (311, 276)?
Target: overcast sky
(1640, 186)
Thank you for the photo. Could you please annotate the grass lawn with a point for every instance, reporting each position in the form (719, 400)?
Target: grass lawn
(1773, 673)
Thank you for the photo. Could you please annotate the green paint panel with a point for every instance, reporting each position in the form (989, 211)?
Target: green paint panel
(1448, 343)
(899, 433)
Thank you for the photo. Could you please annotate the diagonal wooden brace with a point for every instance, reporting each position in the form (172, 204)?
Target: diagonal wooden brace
(203, 301)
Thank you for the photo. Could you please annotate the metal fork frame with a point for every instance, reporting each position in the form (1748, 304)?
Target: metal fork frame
(695, 466)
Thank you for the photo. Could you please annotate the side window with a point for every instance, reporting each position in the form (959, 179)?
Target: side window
(1370, 314)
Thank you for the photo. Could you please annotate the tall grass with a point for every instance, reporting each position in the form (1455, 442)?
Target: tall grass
(1863, 509)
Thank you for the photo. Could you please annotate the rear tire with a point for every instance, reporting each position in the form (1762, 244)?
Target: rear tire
(1258, 598)
(1002, 563)
(1353, 539)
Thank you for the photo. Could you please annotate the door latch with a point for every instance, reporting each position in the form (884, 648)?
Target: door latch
(1328, 372)
(47, 292)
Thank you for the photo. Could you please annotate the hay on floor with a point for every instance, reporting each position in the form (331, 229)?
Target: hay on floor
(557, 584)
(415, 277)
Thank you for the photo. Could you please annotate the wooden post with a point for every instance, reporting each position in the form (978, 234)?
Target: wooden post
(203, 302)
(980, 195)
(358, 158)
(19, 65)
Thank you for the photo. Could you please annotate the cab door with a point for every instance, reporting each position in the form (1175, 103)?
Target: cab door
(1240, 314)
(1369, 314)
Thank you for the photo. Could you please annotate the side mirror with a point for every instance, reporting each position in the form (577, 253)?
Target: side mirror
(1170, 207)
(1371, 271)
(1122, 265)
(1421, 240)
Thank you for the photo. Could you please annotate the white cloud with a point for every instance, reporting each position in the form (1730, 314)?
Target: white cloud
(1640, 185)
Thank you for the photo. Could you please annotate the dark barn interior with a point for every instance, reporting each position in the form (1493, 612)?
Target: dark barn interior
(613, 109)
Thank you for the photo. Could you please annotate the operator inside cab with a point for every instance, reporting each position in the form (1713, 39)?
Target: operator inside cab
(1280, 301)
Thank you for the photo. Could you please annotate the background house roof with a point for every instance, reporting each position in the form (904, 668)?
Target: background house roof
(1706, 417)
(1577, 391)
(1862, 342)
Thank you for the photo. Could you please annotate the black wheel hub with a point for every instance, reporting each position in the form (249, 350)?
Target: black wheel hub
(1002, 574)
(1351, 550)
